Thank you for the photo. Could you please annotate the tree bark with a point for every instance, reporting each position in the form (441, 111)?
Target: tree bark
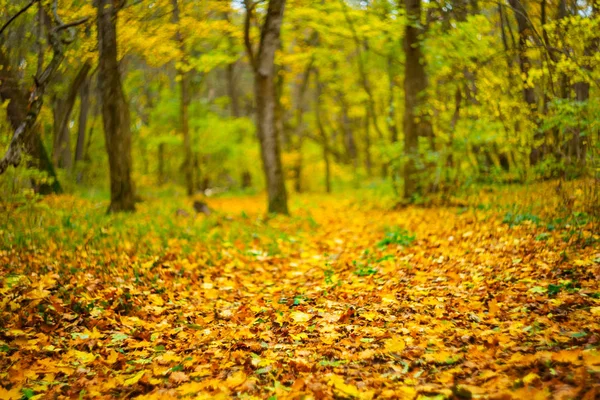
(115, 111)
(84, 107)
(322, 132)
(22, 116)
(415, 82)
(524, 62)
(578, 145)
(232, 90)
(62, 116)
(188, 162)
(263, 63)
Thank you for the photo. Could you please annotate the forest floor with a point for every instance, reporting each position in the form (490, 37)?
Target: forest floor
(345, 299)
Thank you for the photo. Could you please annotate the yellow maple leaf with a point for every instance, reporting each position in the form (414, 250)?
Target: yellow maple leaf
(13, 394)
(395, 345)
(369, 315)
(93, 334)
(300, 317)
(81, 356)
(156, 300)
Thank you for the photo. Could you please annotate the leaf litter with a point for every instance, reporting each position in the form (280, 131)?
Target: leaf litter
(341, 301)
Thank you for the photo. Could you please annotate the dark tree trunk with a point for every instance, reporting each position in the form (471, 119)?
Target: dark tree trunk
(368, 160)
(62, 116)
(578, 145)
(392, 126)
(264, 65)
(415, 82)
(246, 180)
(115, 111)
(188, 161)
(299, 127)
(84, 107)
(17, 113)
(232, 90)
(322, 133)
(524, 62)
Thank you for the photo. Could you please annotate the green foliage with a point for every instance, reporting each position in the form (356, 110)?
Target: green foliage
(397, 236)
(513, 219)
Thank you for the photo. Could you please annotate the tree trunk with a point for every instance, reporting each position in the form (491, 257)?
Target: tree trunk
(62, 116)
(322, 132)
(232, 90)
(415, 82)
(84, 107)
(188, 162)
(578, 145)
(161, 164)
(524, 62)
(264, 66)
(392, 126)
(368, 160)
(17, 113)
(115, 111)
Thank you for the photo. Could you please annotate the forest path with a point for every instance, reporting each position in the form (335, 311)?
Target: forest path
(339, 300)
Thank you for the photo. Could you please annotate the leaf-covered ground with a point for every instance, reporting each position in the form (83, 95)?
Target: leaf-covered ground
(345, 299)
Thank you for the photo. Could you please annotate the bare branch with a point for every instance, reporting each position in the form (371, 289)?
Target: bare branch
(21, 11)
(249, 4)
(36, 99)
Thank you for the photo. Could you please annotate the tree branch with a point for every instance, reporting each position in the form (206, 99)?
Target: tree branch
(21, 11)
(36, 98)
(249, 4)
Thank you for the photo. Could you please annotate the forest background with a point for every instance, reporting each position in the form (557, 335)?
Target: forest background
(415, 98)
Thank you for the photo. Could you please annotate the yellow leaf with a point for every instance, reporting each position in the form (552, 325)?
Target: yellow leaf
(236, 379)
(94, 334)
(112, 357)
(134, 379)
(81, 356)
(591, 357)
(341, 388)
(13, 394)
(567, 356)
(190, 388)
(395, 345)
(299, 337)
(493, 307)
(299, 316)
(530, 378)
(156, 300)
